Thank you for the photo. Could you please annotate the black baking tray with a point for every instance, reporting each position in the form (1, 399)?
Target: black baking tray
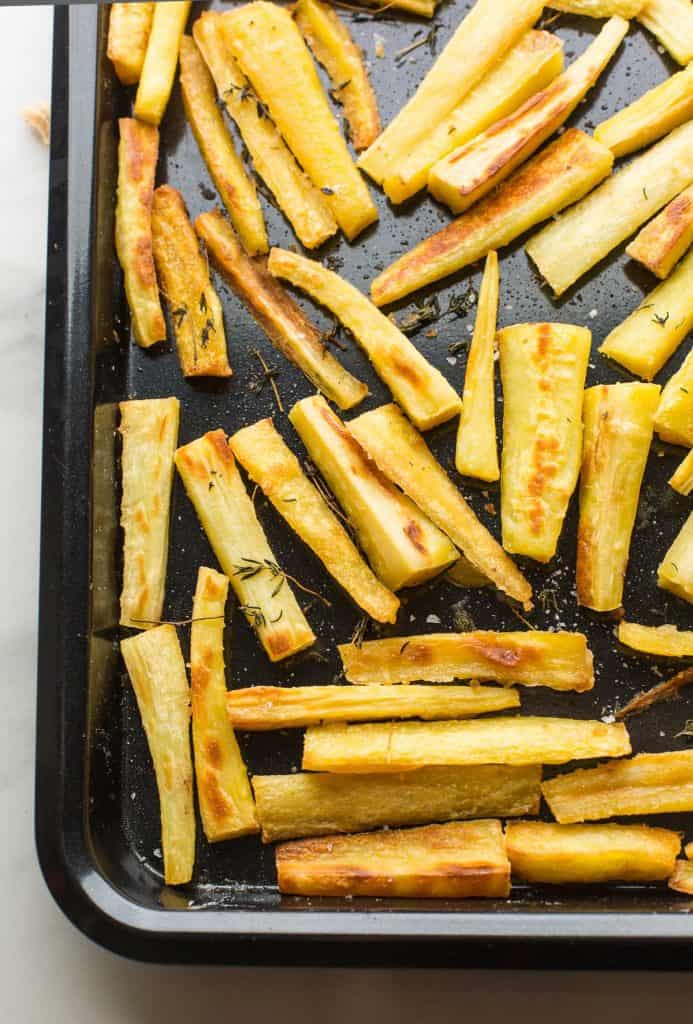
(96, 806)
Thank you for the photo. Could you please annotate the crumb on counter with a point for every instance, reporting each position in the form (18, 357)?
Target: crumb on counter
(38, 118)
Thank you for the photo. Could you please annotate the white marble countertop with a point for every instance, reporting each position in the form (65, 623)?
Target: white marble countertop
(47, 970)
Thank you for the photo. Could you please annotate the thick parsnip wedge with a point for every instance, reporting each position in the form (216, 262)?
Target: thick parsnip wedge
(395, 746)
(682, 479)
(284, 323)
(129, 26)
(233, 183)
(682, 877)
(543, 368)
(675, 572)
(422, 391)
(667, 641)
(260, 708)
(453, 861)
(195, 308)
(645, 784)
(138, 151)
(271, 464)
(314, 804)
(529, 66)
(600, 8)
(484, 36)
(652, 333)
(402, 545)
(560, 174)
(300, 201)
(562, 661)
(149, 430)
(542, 852)
(226, 801)
(476, 452)
(213, 484)
(582, 236)
(161, 58)
(662, 242)
(332, 44)
(403, 456)
(154, 662)
(469, 172)
(270, 50)
(655, 114)
(619, 421)
(674, 418)
(671, 21)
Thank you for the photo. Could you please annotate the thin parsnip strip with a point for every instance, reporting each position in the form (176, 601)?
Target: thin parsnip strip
(424, 8)
(226, 801)
(194, 305)
(403, 547)
(129, 26)
(300, 201)
(657, 112)
(667, 641)
(600, 8)
(138, 151)
(161, 58)
(395, 746)
(213, 484)
(674, 418)
(671, 21)
(403, 456)
(284, 323)
(675, 572)
(149, 431)
(313, 804)
(645, 784)
(662, 242)
(561, 661)
(421, 389)
(460, 859)
(233, 183)
(682, 479)
(154, 662)
(272, 465)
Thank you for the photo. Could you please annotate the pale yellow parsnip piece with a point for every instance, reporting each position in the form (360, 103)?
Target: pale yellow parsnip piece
(671, 21)
(675, 572)
(674, 417)
(160, 60)
(682, 479)
(655, 113)
(129, 26)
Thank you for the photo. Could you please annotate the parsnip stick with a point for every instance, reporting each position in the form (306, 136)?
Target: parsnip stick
(682, 877)
(675, 572)
(674, 418)
(129, 26)
(671, 21)
(662, 242)
(682, 479)
(161, 58)
(655, 113)
(599, 8)
(666, 641)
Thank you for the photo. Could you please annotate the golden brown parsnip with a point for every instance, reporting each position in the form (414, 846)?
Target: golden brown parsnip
(460, 859)
(671, 21)
(666, 641)
(129, 26)
(662, 242)
(682, 479)
(675, 572)
(655, 113)
(160, 60)
(674, 418)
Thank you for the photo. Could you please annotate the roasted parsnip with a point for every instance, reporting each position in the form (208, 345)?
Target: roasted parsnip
(649, 118)
(645, 784)
(271, 464)
(562, 661)
(529, 66)
(395, 746)
(156, 668)
(313, 804)
(560, 174)
(299, 200)
(682, 479)
(213, 484)
(652, 333)
(260, 708)
(667, 641)
(469, 172)
(674, 417)
(270, 50)
(234, 185)
(331, 43)
(226, 801)
(272, 307)
(404, 457)
(422, 391)
(543, 368)
(476, 453)
(195, 308)
(129, 26)
(450, 861)
(149, 429)
(585, 234)
(662, 242)
(402, 545)
(682, 876)
(619, 420)
(675, 572)
(138, 151)
(484, 36)
(424, 8)
(600, 8)
(671, 21)
(540, 851)
(160, 60)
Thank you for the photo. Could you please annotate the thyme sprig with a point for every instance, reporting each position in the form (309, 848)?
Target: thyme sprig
(268, 374)
(250, 567)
